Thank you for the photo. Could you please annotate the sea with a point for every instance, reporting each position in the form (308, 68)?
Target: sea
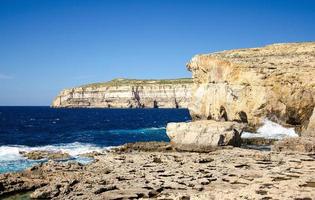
(77, 131)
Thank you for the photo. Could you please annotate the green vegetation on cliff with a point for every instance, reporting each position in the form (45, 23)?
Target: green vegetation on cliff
(122, 81)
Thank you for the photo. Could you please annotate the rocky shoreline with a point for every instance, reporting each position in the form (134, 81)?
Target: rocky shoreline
(233, 91)
(157, 171)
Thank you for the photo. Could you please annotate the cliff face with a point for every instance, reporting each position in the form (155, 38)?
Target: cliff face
(248, 85)
(128, 93)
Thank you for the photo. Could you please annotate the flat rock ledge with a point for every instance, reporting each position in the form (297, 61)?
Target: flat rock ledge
(300, 144)
(204, 135)
(129, 173)
(50, 155)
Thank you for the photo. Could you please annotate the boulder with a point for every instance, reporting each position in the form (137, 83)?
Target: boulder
(298, 144)
(204, 135)
(248, 85)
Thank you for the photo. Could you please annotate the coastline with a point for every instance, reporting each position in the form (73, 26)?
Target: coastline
(203, 159)
(161, 100)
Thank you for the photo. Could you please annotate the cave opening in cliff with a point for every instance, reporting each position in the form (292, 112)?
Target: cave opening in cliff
(223, 114)
(243, 117)
(155, 104)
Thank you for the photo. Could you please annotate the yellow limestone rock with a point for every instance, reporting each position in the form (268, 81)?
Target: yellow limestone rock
(247, 85)
(204, 135)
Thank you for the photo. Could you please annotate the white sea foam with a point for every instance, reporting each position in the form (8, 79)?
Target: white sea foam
(10, 153)
(271, 130)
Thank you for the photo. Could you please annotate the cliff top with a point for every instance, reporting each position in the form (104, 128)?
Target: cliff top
(290, 61)
(122, 81)
(274, 54)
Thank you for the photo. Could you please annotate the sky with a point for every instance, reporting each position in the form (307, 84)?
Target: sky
(49, 45)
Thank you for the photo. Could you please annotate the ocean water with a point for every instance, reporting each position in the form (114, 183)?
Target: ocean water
(77, 131)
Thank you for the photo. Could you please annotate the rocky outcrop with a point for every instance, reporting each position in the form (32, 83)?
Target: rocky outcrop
(224, 174)
(128, 93)
(248, 85)
(50, 155)
(204, 135)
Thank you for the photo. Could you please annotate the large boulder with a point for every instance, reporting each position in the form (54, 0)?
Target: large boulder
(248, 85)
(204, 135)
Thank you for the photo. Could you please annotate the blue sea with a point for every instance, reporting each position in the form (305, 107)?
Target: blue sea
(77, 131)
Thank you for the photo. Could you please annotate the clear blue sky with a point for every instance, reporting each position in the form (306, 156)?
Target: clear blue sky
(46, 46)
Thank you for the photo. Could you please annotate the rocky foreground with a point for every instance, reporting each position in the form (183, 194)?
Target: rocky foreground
(156, 171)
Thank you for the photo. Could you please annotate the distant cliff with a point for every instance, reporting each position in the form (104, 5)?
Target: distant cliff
(128, 93)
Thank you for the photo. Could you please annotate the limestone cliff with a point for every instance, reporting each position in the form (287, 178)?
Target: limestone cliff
(276, 82)
(248, 85)
(128, 93)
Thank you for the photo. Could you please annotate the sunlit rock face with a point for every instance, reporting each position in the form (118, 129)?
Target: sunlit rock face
(127, 93)
(275, 82)
(203, 135)
(310, 131)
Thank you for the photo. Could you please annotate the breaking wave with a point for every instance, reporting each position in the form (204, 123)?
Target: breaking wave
(271, 130)
(12, 160)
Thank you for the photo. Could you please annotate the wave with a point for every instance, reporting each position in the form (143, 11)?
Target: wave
(271, 130)
(11, 160)
(11, 152)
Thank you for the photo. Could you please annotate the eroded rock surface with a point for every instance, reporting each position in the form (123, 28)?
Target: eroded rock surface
(247, 85)
(301, 144)
(128, 93)
(223, 174)
(51, 155)
(204, 135)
